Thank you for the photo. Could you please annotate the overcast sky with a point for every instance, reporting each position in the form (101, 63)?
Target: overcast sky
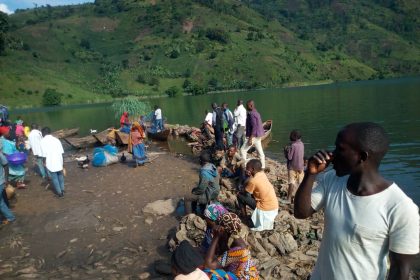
(9, 6)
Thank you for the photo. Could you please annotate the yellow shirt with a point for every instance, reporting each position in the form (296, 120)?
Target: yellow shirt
(263, 191)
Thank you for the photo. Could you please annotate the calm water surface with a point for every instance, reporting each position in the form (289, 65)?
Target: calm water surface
(319, 112)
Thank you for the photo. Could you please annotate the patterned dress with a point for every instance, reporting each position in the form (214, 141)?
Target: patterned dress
(238, 260)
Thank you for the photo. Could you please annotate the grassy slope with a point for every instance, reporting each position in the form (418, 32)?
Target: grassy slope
(282, 56)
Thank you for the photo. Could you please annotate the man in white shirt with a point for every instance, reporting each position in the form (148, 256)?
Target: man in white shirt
(209, 118)
(35, 138)
(52, 151)
(367, 218)
(240, 123)
(158, 118)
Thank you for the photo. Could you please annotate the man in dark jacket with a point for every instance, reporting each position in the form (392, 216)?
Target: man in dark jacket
(218, 126)
(207, 189)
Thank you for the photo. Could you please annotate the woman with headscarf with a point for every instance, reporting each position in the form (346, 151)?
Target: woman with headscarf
(211, 215)
(125, 123)
(237, 257)
(136, 145)
(16, 172)
(186, 262)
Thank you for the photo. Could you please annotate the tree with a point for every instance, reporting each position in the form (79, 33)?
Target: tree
(4, 27)
(133, 105)
(51, 97)
(84, 43)
(187, 85)
(172, 91)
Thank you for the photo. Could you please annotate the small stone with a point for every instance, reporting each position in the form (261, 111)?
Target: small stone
(144, 275)
(73, 240)
(148, 220)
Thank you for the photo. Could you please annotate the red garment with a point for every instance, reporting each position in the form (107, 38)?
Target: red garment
(124, 119)
(4, 130)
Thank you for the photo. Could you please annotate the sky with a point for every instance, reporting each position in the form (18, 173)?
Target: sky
(9, 6)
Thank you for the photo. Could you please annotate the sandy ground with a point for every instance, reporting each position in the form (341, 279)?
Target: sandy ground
(98, 231)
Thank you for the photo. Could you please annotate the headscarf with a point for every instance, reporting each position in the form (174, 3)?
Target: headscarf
(135, 126)
(214, 211)
(124, 118)
(4, 130)
(186, 259)
(231, 223)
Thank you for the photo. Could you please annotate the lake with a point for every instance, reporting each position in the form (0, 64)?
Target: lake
(318, 111)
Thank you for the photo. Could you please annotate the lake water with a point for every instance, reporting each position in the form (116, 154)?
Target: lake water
(318, 111)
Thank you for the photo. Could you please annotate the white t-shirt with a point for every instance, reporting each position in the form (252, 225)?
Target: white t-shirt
(240, 115)
(158, 114)
(209, 118)
(361, 230)
(53, 151)
(35, 138)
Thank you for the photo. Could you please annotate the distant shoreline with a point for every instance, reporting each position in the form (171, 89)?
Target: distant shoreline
(292, 85)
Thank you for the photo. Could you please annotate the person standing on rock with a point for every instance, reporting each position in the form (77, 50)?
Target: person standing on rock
(294, 154)
(218, 126)
(254, 133)
(35, 138)
(52, 151)
(260, 196)
(207, 189)
(368, 218)
(240, 123)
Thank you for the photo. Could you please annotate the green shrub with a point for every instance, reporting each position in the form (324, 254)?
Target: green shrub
(213, 55)
(172, 91)
(51, 97)
(198, 90)
(133, 105)
(141, 79)
(218, 34)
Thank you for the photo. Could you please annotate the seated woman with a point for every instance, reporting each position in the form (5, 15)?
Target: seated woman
(16, 172)
(125, 123)
(186, 262)
(136, 144)
(231, 163)
(211, 215)
(237, 257)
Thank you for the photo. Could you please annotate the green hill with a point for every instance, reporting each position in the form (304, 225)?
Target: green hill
(95, 52)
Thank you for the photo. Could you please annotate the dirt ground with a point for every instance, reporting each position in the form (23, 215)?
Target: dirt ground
(98, 231)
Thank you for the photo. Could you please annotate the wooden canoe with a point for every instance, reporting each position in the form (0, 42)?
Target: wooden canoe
(267, 125)
(80, 142)
(64, 133)
(161, 135)
(122, 138)
(102, 136)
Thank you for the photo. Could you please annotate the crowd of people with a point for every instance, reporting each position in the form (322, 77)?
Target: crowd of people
(368, 218)
(15, 143)
(370, 224)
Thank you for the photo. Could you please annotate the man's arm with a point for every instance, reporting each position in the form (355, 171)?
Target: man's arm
(303, 199)
(400, 266)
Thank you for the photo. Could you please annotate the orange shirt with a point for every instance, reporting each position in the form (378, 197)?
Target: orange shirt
(263, 191)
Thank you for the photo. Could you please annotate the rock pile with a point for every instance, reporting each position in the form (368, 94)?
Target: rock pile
(288, 251)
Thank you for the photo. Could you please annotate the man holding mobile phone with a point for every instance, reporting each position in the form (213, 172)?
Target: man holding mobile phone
(367, 218)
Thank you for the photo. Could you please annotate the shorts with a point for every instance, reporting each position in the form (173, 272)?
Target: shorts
(295, 177)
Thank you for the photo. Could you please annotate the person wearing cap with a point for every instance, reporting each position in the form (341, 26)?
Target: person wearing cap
(237, 257)
(16, 172)
(4, 173)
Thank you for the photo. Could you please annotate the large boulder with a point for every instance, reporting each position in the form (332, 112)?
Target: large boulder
(160, 207)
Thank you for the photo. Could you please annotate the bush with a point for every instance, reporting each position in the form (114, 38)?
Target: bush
(51, 97)
(187, 85)
(154, 82)
(217, 34)
(198, 90)
(213, 55)
(172, 91)
(84, 43)
(141, 79)
(174, 54)
(133, 105)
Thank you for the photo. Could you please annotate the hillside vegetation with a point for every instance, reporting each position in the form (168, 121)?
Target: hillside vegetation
(96, 52)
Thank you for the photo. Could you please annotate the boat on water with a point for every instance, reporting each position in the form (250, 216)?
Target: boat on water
(122, 138)
(87, 141)
(267, 125)
(64, 133)
(159, 135)
(102, 137)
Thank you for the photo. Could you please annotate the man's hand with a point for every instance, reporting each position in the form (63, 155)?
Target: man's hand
(319, 162)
